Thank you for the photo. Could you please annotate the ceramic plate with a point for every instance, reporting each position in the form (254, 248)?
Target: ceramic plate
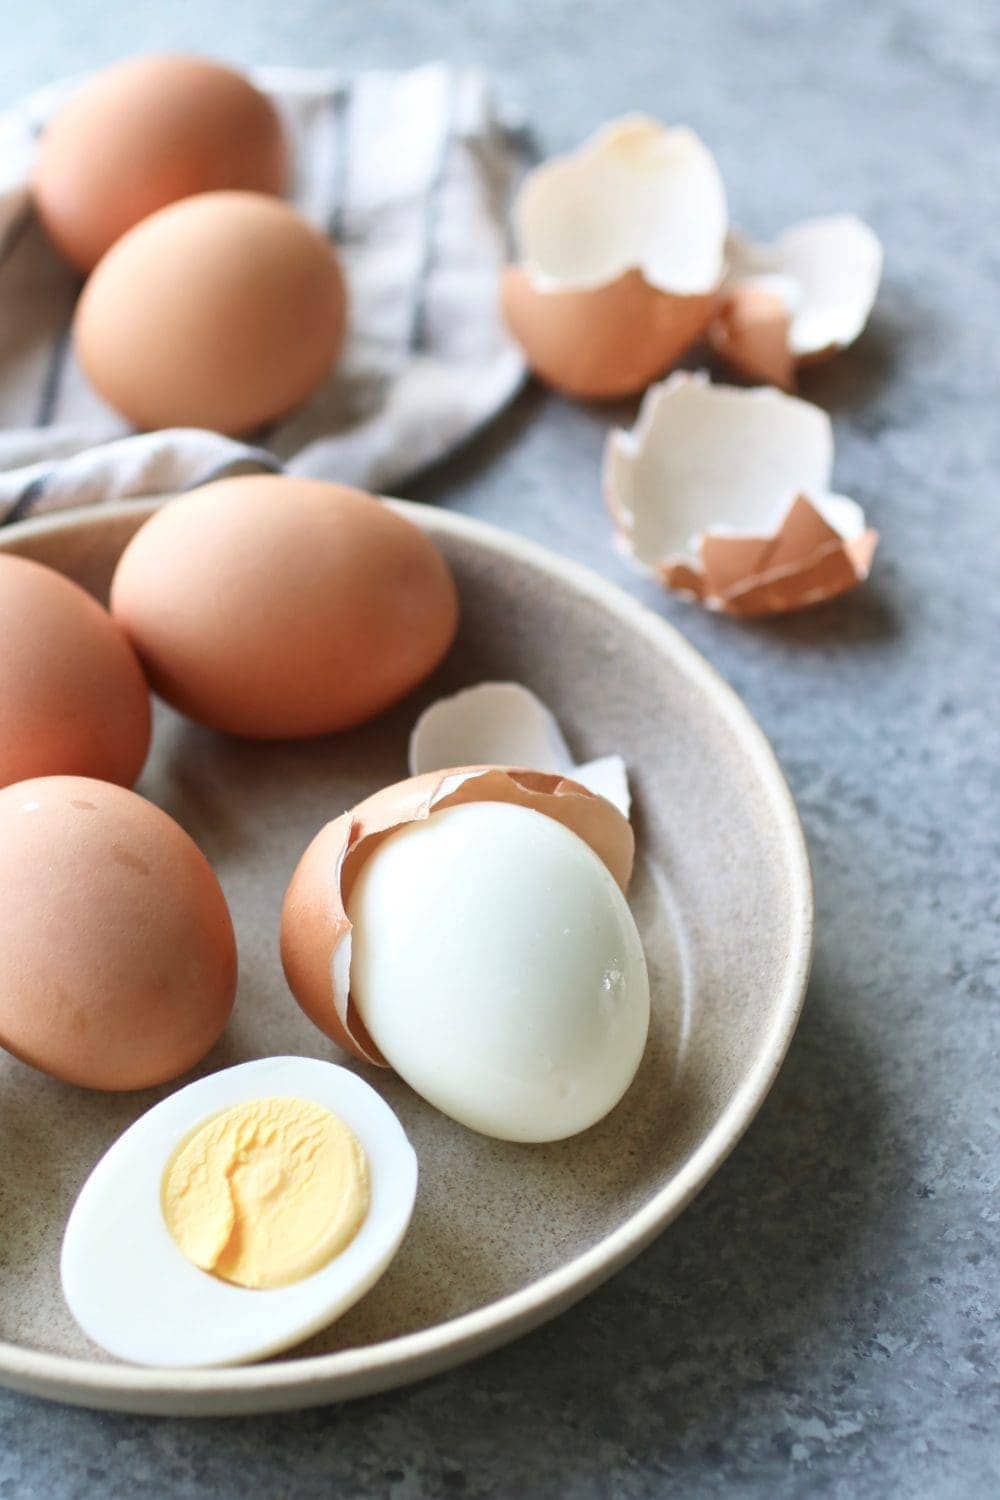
(504, 1236)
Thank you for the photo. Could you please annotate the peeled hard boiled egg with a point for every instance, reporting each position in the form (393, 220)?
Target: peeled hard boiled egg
(498, 969)
(292, 1173)
(117, 954)
(276, 607)
(223, 311)
(73, 699)
(141, 135)
(469, 929)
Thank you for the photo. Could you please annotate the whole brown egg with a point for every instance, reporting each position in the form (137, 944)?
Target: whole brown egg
(276, 607)
(73, 698)
(223, 311)
(141, 135)
(117, 954)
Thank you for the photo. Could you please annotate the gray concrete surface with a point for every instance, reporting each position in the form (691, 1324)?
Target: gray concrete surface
(824, 1320)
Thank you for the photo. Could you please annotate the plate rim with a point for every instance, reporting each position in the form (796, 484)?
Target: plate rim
(365, 1369)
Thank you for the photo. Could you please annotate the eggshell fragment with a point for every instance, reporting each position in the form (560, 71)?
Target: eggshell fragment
(621, 258)
(798, 300)
(724, 494)
(503, 723)
(315, 929)
(277, 607)
(225, 311)
(144, 133)
(117, 953)
(73, 698)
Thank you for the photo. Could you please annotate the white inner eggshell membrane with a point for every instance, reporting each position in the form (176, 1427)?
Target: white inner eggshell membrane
(711, 457)
(497, 965)
(505, 724)
(638, 195)
(827, 270)
(134, 1292)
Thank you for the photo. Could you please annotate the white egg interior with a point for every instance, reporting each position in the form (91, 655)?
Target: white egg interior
(134, 1292)
(497, 965)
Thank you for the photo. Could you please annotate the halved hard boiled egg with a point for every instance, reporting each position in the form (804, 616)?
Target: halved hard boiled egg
(239, 1216)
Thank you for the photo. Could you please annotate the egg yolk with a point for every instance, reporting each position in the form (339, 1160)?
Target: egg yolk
(266, 1192)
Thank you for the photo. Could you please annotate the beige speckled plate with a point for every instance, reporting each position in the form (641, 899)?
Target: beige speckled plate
(504, 1236)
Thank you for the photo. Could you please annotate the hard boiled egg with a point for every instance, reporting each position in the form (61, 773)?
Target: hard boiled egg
(277, 607)
(117, 952)
(469, 929)
(288, 1178)
(225, 310)
(73, 699)
(497, 967)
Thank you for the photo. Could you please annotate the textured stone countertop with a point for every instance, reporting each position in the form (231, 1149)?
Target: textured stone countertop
(825, 1319)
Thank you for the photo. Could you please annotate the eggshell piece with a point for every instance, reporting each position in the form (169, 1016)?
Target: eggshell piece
(750, 333)
(117, 954)
(275, 607)
(823, 275)
(620, 250)
(73, 698)
(603, 342)
(504, 723)
(145, 133)
(724, 495)
(315, 929)
(224, 311)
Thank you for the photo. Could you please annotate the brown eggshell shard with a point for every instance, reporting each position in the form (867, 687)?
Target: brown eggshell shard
(223, 311)
(275, 607)
(147, 132)
(750, 332)
(117, 952)
(724, 495)
(73, 698)
(805, 562)
(315, 929)
(604, 342)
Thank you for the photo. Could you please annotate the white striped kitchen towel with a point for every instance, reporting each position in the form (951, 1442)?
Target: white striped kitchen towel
(411, 174)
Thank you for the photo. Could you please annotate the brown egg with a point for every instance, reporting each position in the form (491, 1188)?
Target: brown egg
(315, 927)
(73, 698)
(117, 955)
(143, 134)
(277, 607)
(223, 311)
(603, 342)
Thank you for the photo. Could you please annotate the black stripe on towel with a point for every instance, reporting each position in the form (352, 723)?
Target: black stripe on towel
(418, 341)
(340, 110)
(53, 380)
(25, 501)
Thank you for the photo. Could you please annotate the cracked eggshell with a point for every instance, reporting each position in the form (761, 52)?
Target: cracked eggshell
(315, 929)
(724, 494)
(504, 723)
(621, 249)
(798, 300)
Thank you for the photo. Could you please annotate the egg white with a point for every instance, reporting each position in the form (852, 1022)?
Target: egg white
(134, 1292)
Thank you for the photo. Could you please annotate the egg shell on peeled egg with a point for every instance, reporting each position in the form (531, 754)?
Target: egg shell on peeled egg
(117, 952)
(73, 698)
(147, 132)
(274, 607)
(315, 928)
(224, 311)
(620, 266)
